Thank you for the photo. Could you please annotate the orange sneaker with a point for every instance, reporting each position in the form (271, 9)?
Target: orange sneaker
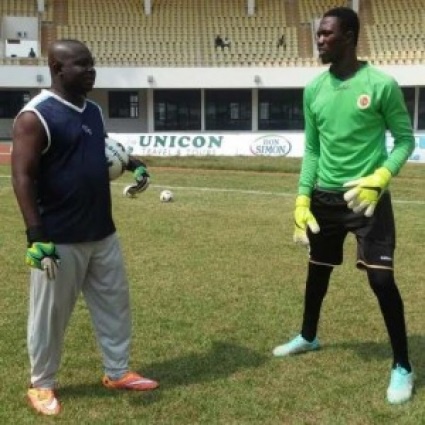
(44, 401)
(130, 381)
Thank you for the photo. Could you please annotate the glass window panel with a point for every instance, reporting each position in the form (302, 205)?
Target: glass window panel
(421, 109)
(177, 110)
(409, 97)
(12, 101)
(123, 104)
(228, 110)
(280, 109)
(264, 110)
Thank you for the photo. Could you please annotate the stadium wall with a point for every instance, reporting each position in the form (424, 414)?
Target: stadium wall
(146, 80)
(289, 143)
(12, 76)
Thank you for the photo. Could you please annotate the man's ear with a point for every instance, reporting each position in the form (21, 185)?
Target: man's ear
(349, 36)
(56, 66)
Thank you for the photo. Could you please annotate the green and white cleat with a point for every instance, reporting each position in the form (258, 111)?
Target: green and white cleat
(401, 385)
(297, 345)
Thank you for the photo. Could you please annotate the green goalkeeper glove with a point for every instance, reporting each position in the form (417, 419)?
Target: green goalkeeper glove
(140, 174)
(41, 255)
(303, 219)
(367, 191)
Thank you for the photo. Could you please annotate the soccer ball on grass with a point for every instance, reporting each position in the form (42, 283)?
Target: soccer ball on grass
(166, 196)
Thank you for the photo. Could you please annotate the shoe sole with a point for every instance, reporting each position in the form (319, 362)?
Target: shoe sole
(296, 353)
(130, 388)
(405, 400)
(395, 402)
(41, 412)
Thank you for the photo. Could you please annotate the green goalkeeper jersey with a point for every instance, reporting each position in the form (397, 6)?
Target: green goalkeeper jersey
(345, 128)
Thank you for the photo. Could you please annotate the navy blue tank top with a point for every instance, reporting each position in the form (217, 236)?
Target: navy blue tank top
(73, 191)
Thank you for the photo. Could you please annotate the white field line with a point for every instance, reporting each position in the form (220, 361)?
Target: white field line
(225, 190)
(242, 191)
(253, 192)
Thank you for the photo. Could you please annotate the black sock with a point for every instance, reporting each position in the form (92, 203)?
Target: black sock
(316, 287)
(389, 299)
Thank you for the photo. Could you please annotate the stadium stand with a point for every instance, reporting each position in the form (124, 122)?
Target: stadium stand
(176, 33)
(18, 8)
(181, 33)
(395, 31)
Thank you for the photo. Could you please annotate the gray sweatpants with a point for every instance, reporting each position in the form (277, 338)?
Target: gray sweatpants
(97, 270)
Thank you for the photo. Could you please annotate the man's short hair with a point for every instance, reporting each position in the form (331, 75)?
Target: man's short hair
(348, 19)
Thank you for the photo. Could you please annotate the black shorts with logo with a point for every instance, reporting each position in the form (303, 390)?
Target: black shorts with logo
(375, 235)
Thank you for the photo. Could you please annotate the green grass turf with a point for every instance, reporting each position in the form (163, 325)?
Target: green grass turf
(216, 283)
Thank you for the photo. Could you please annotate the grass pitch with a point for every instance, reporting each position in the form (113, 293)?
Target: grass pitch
(216, 283)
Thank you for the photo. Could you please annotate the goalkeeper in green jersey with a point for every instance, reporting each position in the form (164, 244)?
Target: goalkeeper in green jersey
(343, 185)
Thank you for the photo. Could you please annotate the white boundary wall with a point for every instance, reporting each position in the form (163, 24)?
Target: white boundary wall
(238, 77)
(289, 144)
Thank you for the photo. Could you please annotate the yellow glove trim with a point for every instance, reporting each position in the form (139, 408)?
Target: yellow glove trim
(302, 201)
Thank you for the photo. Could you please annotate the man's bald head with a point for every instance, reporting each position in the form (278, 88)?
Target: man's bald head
(71, 67)
(60, 50)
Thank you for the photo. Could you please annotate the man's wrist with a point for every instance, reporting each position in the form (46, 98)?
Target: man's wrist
(134, 163)
(302, 201)
(305, 190)
(384, 173)
(35, 234)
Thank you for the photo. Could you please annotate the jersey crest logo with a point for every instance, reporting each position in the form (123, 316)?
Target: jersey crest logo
(363, 101)
(86, 129)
